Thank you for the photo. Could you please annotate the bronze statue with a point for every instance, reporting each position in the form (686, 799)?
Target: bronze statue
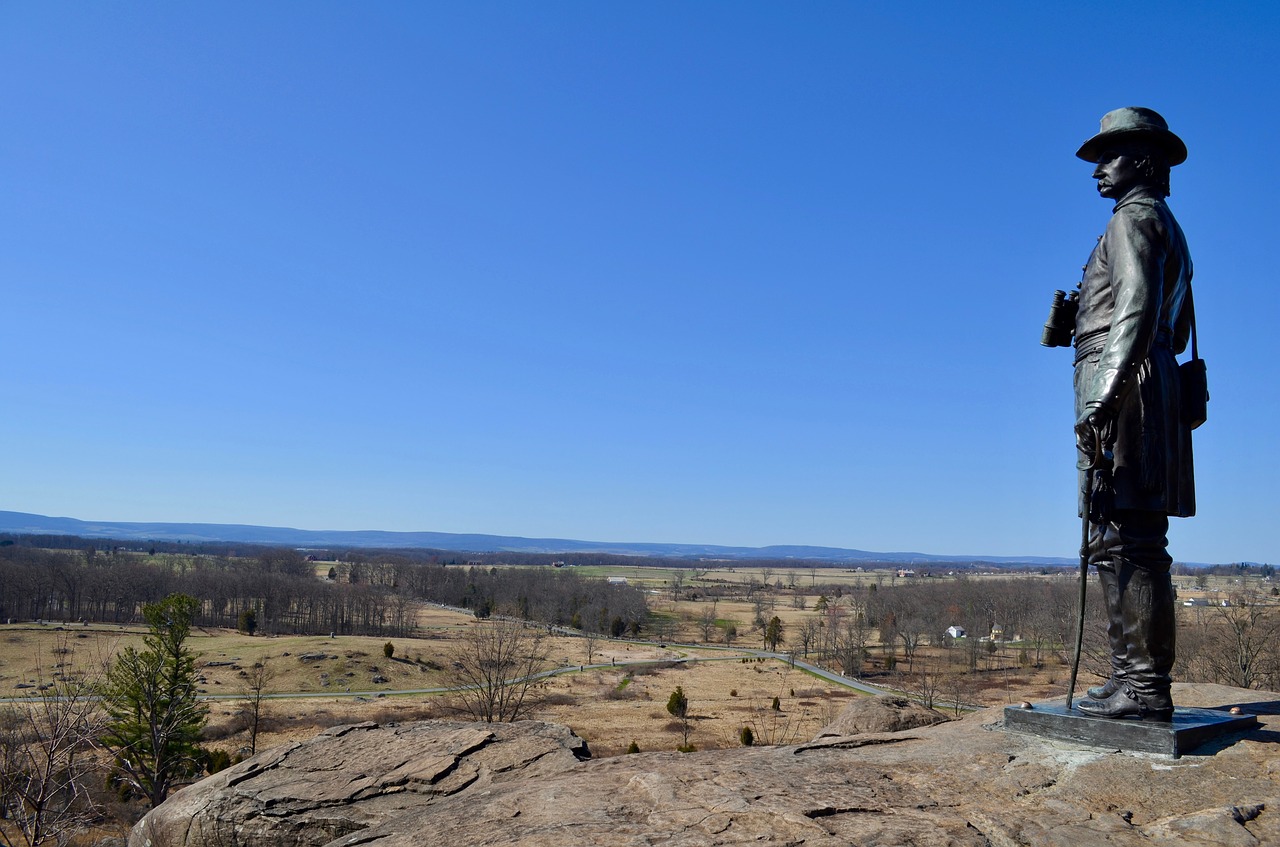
(1134, 314)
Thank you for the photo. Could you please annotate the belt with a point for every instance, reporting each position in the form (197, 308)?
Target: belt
(1091, 343)
(1095, 341)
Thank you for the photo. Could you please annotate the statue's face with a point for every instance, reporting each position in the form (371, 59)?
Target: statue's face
(1118, 172)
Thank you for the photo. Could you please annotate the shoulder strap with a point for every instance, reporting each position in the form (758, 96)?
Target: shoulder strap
(1191, 304)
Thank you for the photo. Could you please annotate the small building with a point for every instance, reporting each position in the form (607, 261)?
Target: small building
(955, 632)
(616, 580)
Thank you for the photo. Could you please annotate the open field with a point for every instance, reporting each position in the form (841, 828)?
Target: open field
(610, 707)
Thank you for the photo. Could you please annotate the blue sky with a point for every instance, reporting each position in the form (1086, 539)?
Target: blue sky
(722, 272)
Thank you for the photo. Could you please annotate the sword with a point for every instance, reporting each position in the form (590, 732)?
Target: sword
(1096, 460)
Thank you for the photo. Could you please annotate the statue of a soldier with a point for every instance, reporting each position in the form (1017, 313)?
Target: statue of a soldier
(1134, 315)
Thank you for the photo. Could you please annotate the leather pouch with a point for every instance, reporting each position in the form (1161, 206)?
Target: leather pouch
(1195, 392)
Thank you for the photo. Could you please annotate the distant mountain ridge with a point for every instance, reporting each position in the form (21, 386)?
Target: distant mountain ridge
(26, 523)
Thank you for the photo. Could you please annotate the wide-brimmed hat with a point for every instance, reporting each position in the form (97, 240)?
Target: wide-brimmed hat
(1134, 123)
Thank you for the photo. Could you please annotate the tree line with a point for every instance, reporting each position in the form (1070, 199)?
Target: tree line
(1233, 641)
(281, 592)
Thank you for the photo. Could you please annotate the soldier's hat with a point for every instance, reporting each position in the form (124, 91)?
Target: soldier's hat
(1134, 123)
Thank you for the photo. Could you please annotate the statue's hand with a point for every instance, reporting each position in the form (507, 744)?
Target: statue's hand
(1094, 433)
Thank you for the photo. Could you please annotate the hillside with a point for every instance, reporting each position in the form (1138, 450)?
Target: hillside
(120, 531)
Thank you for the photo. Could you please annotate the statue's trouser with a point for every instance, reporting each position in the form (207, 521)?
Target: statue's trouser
(1133, 566)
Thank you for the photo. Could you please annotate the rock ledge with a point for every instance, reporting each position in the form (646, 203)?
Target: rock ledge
(962, 782)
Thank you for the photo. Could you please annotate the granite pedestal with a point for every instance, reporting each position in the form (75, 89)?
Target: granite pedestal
(1189, 729)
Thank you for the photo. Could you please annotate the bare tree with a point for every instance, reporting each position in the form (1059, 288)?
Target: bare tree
(772, 726)
(592, 642)
(1239, 642)
(911, 629)
(810, 630)
(956, 686)
(46, 764)
(757, 611)
(496, 668)
(255, 690)
(677, 583)
(833, 616)
(707, 621)
(851, 644)
(925, 684)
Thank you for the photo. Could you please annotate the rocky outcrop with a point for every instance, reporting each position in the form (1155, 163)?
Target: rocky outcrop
(351, 777)
(962, 782)
(881, 714)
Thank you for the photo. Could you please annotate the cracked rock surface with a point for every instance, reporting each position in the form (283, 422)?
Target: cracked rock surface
(963, 782)
(350, 777)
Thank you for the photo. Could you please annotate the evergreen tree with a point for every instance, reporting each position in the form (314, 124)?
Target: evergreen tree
(150, 697)
(773, 633)
(678, 707)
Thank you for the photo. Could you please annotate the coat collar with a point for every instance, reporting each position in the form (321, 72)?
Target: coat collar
(1139, 194)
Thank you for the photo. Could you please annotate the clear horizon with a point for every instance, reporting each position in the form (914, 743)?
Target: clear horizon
(737, 272)
(940, 554)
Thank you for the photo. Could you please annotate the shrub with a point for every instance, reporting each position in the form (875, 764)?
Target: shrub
(222, 729)
(560, 698)
(776, 706)
(216, 760)
(746, 736)
(388, 649)
(634, 748)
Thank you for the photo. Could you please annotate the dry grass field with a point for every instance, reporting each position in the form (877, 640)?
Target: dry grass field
(610, 707)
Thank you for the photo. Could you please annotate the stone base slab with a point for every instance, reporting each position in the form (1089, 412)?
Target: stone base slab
(1189, 729)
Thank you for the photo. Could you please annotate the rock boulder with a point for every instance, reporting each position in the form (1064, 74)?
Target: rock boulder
(351, 777)
(881, 714)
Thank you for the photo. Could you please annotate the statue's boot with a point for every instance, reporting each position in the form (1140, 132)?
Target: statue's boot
(1146, 616)
(1102, 692)
(1110, 583)
(1124, 703)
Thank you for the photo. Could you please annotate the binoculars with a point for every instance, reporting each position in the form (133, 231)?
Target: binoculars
(1061, 325)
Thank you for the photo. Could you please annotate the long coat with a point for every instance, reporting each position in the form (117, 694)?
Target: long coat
(1135, 314)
